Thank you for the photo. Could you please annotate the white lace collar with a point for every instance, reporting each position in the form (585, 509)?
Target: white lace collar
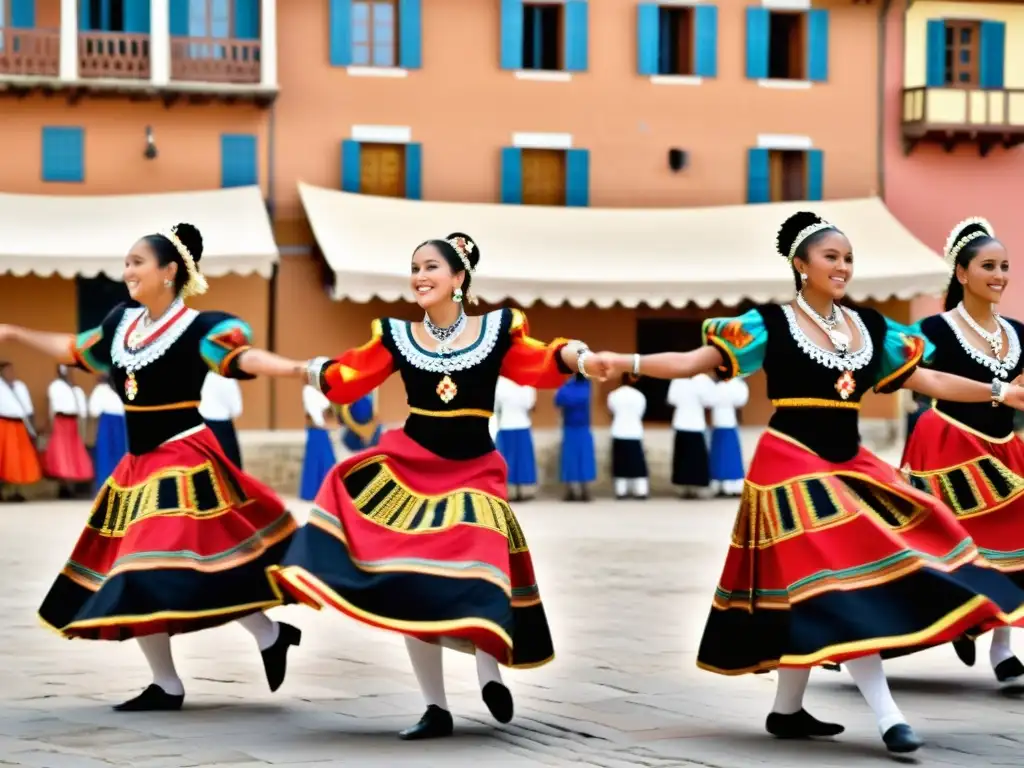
(133, 360)
(1000, 368)
(829, 357)
(458, 360)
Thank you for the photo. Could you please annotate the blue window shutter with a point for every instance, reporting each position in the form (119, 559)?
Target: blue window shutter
(247, 19)
(410, 23)
(84, 15)
(815, 174)
(414, 171)
(993, 54)
(238, 163)
(577, 177)
(758, 176)
(351, 166)
(817, 45)
(705, 53)
(647, 38)
(23, 14)
(511, 34)
(341, 33)
(179, 18)
(136, 16)
(63, 154)
(577, 34)
(757, 43)
(935, 47)
(511, 175)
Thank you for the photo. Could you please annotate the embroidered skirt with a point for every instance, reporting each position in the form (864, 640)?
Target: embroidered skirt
(111, 446)
(19, 461)
(406, 540)
(516, 447)
(178, 540)
(830, 562)
(66, 457)
(224, 431)
(316, 462)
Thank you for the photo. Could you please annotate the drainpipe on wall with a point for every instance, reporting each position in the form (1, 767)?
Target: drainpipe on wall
(883, 17)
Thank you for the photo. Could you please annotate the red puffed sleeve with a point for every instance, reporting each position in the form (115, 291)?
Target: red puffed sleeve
(530, 362)
(358, 371)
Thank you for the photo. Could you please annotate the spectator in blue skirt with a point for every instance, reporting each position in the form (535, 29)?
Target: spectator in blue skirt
(578, 464)
(726, 461)
(319, 455)
(512, 404)
(111, 442)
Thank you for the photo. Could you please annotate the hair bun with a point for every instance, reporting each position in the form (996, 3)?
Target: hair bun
(792, 227)
(472, 249)
(191, 238)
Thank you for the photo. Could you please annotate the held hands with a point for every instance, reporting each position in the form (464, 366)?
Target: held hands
(1015, 396)
(598, 365)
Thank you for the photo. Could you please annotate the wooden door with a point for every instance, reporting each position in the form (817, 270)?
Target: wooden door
(382, 170)
(543, 177)
(962, 48)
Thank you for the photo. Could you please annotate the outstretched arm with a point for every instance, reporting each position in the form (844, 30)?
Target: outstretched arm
(260, 362)
(947, 386)
(666, 365)
(55, 345)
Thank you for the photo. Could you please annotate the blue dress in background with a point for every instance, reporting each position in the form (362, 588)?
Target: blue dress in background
(578, 464)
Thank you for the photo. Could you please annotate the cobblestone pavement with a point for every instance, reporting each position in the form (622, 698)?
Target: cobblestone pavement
(626, 587)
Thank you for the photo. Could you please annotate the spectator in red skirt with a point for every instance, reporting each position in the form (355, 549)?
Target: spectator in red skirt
(66, 459)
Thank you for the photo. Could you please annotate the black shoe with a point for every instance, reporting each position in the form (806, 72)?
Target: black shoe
(622, 497)
(153, 699)
(498, 700)
(1010, 674)
(436, 723)
(570, 496)
(275, 658)
(901, 739)
(965, 650)
(832, 667)
(800, 725)
(585, 496)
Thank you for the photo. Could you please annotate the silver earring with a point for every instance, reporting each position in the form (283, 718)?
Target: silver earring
(803, 276)
(457, 295)
(168, 283)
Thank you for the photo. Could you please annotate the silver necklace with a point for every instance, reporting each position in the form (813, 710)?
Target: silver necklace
(828, 324)
(994, 340)
(445, 337)
(145, 321)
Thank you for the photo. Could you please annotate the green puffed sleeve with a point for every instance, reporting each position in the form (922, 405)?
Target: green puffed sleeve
(742, 341)
(904, 348)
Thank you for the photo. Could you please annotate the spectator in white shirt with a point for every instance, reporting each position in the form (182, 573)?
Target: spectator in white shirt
(319, 457)
(19, 461)
(220, 404)
(690, 469)
(111, 432)
(629, 464)
(726, 450)
(66, 459)
(512, 405)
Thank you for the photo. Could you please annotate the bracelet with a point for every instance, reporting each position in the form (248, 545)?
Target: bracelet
(999, 391)
(313, 369)
(636, 366)
(581, 357)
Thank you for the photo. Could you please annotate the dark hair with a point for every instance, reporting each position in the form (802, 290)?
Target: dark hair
(167, 253)
(452, 256)
(982, 237)
(792, 227)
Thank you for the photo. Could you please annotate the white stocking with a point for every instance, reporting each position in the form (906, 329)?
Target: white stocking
(262, 628)
(1000, 650)
(157, 650)
(641, 486)
(869, 676)
(789, 693)
(621, 486)
(428, 666)
(487, 670)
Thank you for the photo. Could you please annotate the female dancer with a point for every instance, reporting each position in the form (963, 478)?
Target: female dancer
(179, 538)
(416, 535)
(967, 455)
(833, 556)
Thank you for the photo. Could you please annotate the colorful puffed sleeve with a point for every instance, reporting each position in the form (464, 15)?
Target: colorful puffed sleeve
(904, 348)
(358, 371)
(530, 362)
(221, 347)
(90, 350)
(742, 341)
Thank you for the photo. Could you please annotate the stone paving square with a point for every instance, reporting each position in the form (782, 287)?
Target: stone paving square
(627, 588)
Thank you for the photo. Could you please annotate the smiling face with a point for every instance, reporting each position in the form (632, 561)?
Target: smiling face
(432, 279)
(828, 265)
(988, 272)
(143, 274)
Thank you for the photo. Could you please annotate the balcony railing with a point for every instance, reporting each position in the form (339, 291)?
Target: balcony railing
(960, 109)
(113, 54)
(215, 60)
(30, 52)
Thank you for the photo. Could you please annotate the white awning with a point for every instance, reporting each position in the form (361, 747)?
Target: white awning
(88, 235)
(552, 255)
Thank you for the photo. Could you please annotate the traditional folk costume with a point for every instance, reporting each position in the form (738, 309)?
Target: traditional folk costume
(834, 556)
(726, 460)
(512, 406)
(179, 539)
(111, 432)
(319, 457)
(66, 458)
(690, 461)
(578, 464)
(416, 534)
(220, 403)
(629, 464)
(968, 456)
(361, 429)
(19, 461)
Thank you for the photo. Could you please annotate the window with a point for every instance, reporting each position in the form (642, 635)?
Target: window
(374, 33)
(103, 15)
(787, 171)
(962, 48)
(542, 36)
(63, 154)
(787, 45)
(545, 36)
(661, 334)
(239, 166)
(782, 175)
(675, 41)
(545, 176)
(388, 170)
(962, 53)
(209, 19)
